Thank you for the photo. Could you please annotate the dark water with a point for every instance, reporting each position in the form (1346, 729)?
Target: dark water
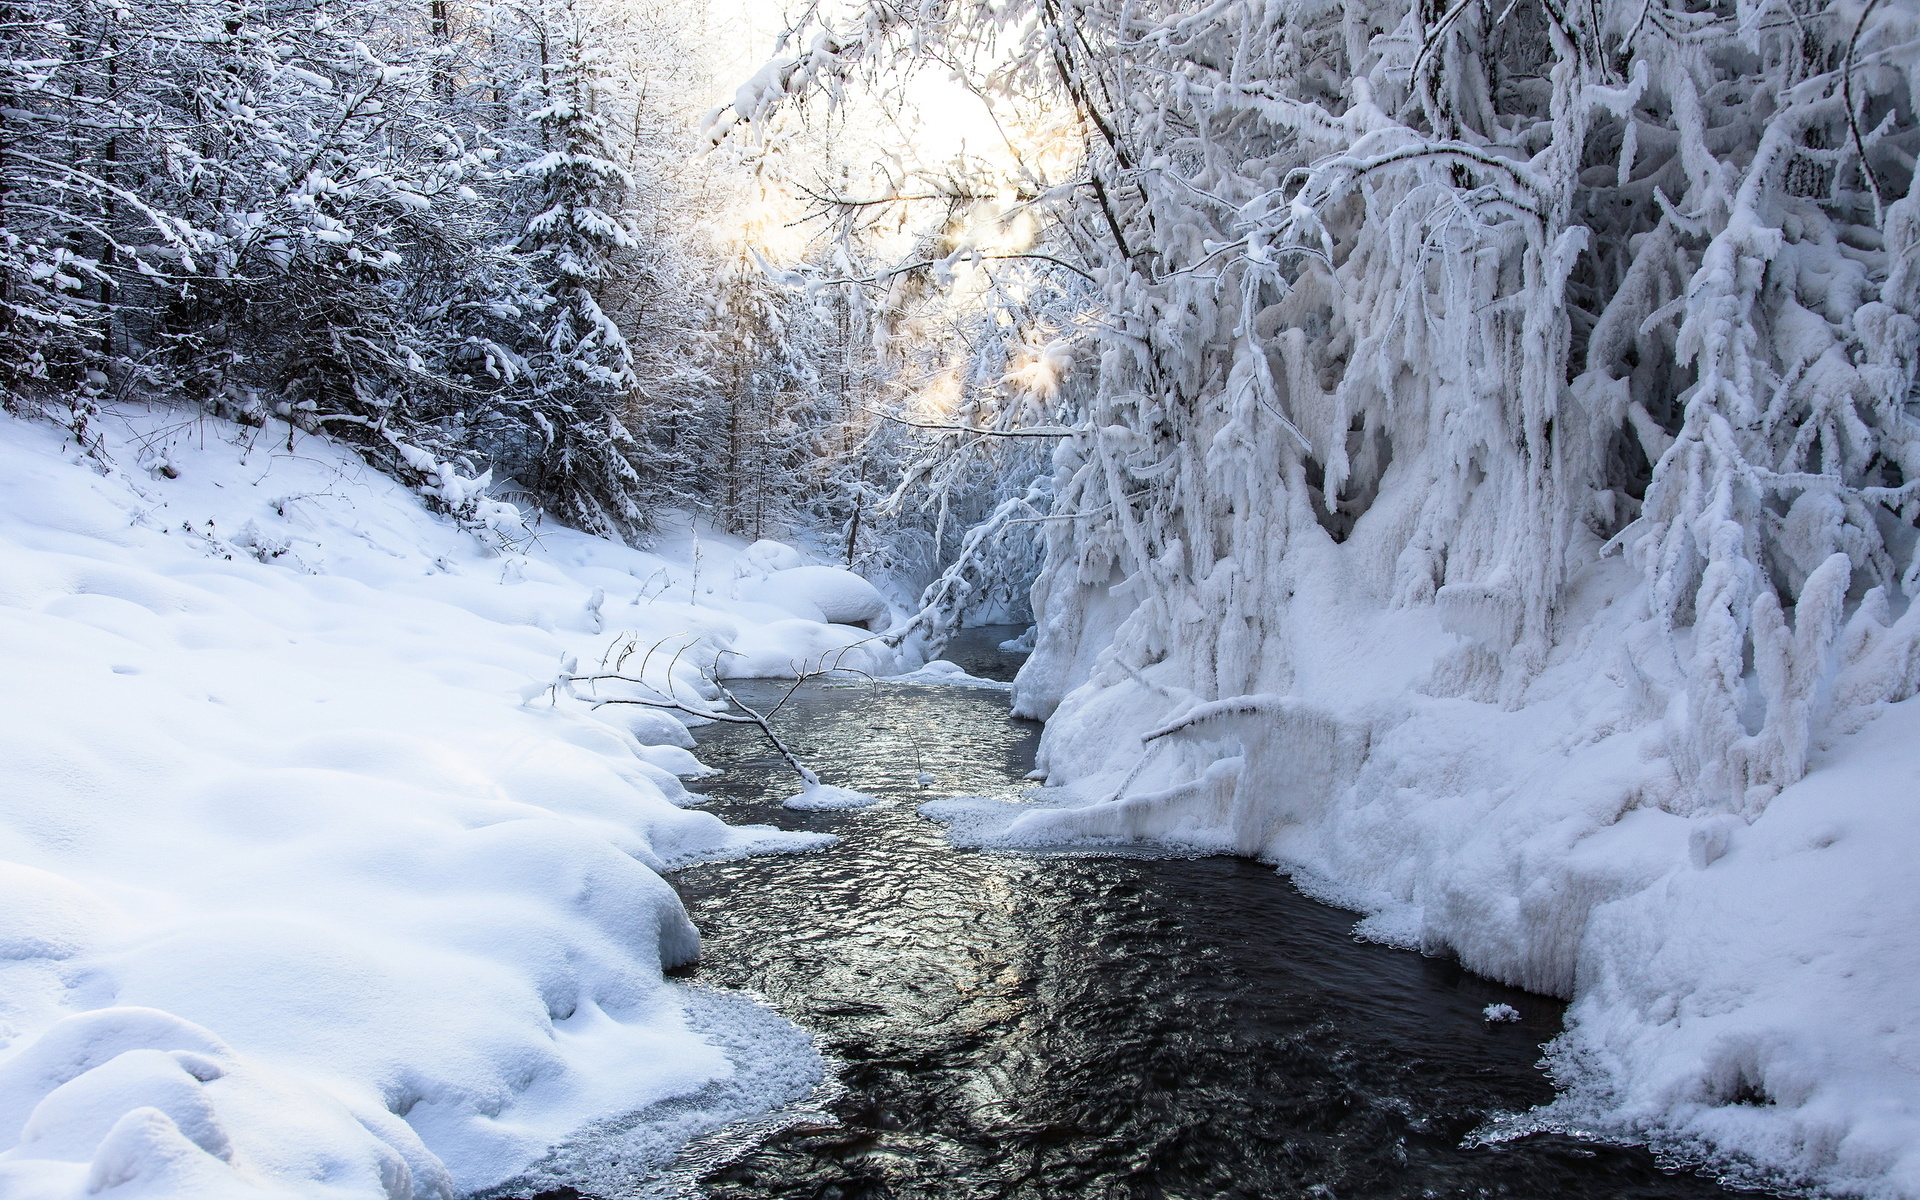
(1030, 1027)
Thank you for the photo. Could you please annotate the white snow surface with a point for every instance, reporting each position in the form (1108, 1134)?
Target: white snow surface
(821, 593)
(321, 874)
(947, 674)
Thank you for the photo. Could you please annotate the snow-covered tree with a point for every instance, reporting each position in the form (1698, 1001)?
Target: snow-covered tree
(395, 225)
(1464, 295)
(584, 370)
(954, 321)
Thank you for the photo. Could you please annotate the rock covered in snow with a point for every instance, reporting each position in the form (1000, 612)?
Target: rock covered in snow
(941, 671)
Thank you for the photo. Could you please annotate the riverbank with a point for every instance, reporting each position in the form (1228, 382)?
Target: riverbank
(323, 871)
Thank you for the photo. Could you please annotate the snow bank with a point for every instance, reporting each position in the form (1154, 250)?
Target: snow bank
(1743, 987)
(322, 871)
(1762, 997)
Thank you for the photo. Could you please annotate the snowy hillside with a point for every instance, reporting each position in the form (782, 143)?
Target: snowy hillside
(313, 884)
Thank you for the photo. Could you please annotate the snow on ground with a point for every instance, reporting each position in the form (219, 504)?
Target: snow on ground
(1744, 991)
(322, 871)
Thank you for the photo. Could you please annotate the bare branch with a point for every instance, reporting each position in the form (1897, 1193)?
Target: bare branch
(1033, 431)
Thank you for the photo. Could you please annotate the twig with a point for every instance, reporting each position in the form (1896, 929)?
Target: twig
(668, 701)
(1037, 431)
(1853, 126)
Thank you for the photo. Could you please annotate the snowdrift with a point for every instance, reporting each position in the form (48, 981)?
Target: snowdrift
(320, 873)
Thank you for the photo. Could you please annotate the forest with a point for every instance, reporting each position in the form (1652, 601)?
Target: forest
(1463, 454)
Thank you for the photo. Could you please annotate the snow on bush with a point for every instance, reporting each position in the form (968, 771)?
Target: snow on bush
(311, 881)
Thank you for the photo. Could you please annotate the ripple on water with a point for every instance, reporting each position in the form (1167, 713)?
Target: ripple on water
(1095, 1027)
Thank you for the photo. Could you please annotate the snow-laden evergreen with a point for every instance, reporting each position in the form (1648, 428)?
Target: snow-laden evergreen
(1493, 493)
(582, 366)
(391, 224)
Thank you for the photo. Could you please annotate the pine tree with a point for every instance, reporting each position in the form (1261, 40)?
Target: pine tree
(583, 367)
(397, 226)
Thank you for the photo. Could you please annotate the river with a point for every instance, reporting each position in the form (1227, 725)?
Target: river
(1107, 1028)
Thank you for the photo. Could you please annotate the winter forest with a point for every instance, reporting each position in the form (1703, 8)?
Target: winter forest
(1458, 457)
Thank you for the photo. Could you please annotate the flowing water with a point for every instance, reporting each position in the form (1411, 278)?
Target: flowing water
(1099, 1027)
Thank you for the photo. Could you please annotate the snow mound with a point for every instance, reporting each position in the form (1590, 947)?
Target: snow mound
(952, 674)
(786, 649)
(820, 797)
(650, 727)
(840, 597)
(973, 821)
(1497, 1014)
(676, 761)
(984, 823)
(323, 870)
(766, 557)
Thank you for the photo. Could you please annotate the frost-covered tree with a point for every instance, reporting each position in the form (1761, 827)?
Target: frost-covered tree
(953, 322)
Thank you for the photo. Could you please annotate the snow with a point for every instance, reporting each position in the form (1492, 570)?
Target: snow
(819, 797)
(948, 674)
(1762, 997)
(326, 869)
(837, 596)
(767, 556)
(1500, 1013)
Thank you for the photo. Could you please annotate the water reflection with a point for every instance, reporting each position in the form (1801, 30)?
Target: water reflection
(1095, 1027)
